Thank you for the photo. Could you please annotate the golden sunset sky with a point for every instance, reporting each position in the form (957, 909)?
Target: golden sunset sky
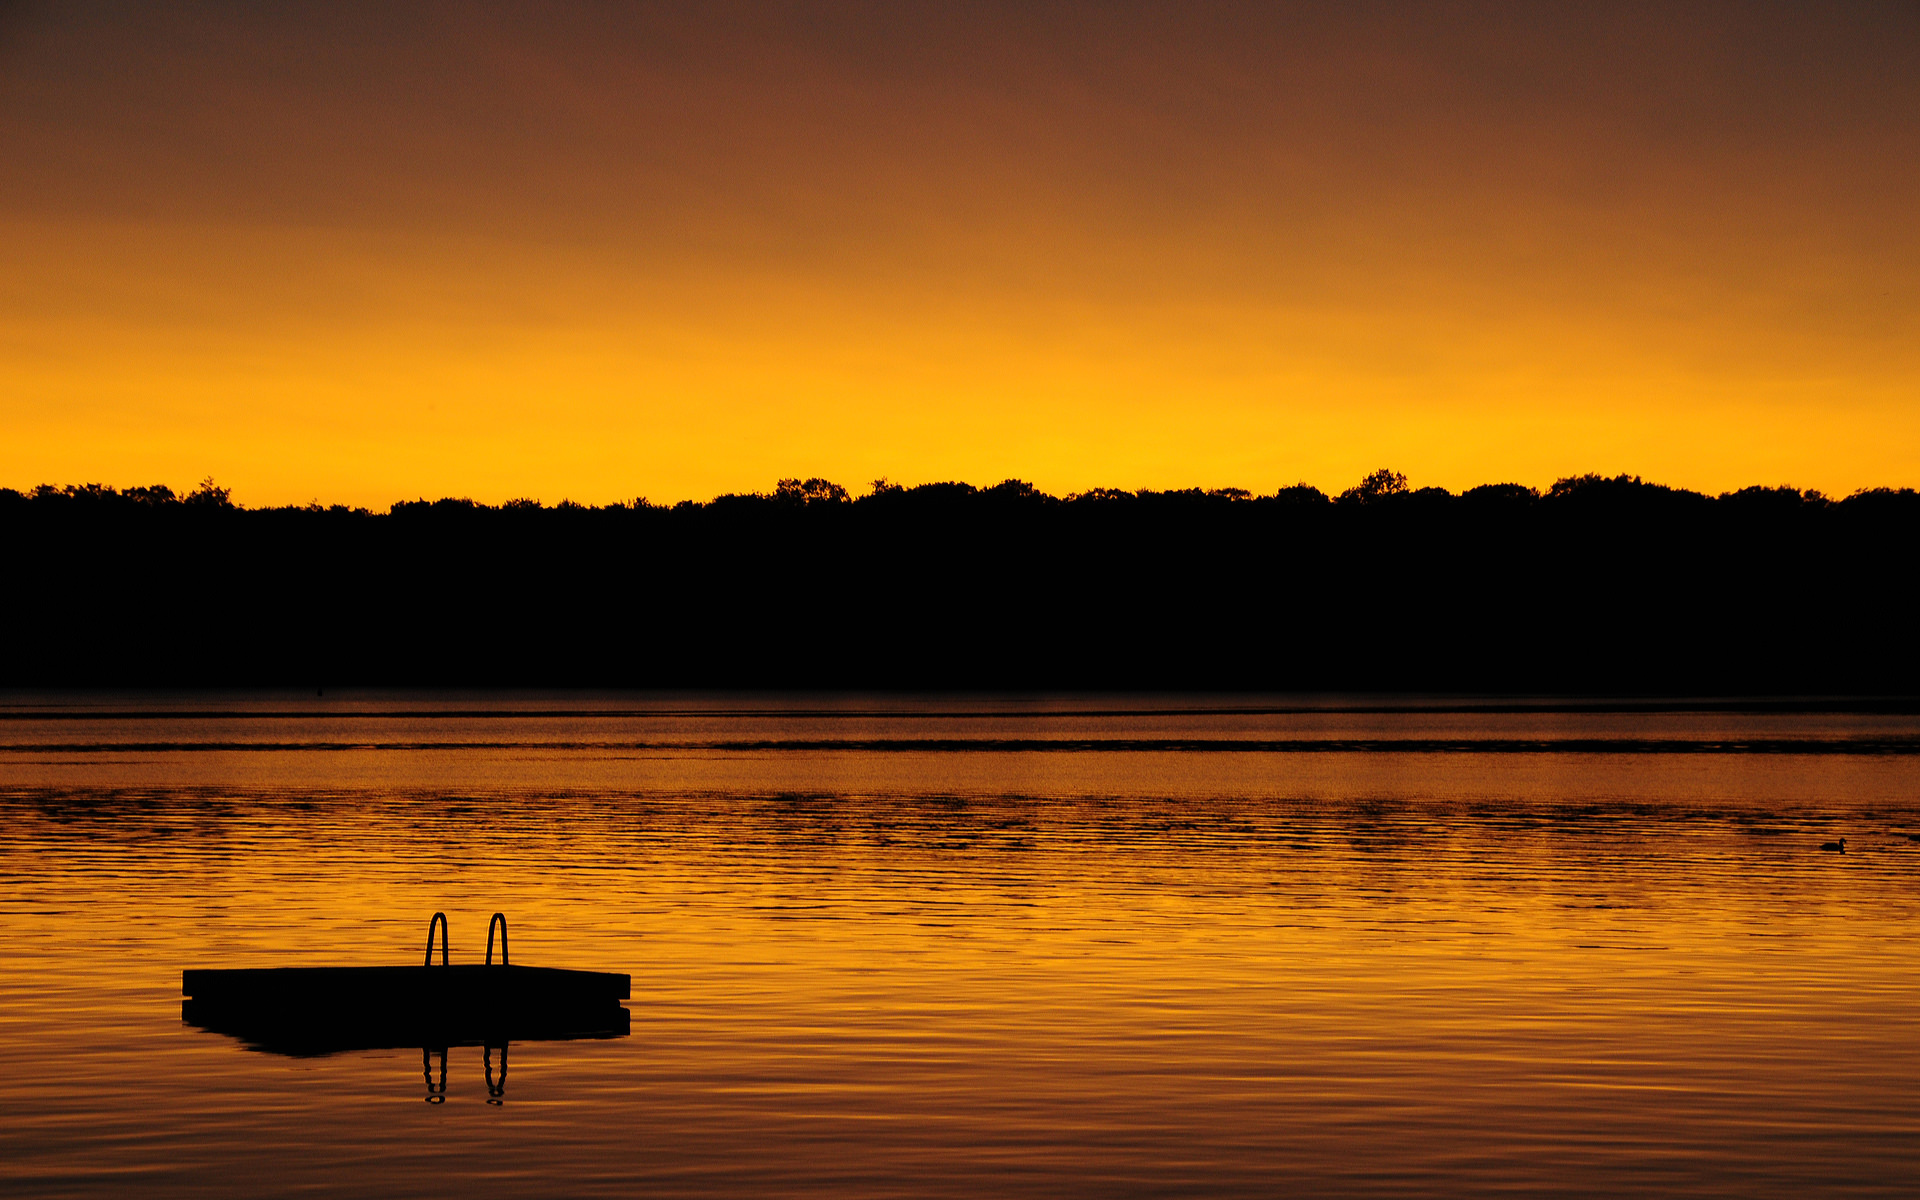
(367, 252)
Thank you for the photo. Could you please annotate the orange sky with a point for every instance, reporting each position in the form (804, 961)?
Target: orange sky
(364, 253)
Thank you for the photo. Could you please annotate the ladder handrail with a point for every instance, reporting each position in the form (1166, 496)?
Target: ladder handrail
(440, 922)
(499, 919)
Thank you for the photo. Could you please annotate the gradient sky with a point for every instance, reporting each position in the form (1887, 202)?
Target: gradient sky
(362, 253)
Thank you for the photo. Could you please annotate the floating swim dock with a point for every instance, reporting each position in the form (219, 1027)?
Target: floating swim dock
(323, 1010)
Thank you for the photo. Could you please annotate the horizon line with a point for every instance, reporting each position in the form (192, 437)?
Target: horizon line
(1381, 484)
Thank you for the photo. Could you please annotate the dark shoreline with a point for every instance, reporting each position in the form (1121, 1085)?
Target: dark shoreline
(1601, 588)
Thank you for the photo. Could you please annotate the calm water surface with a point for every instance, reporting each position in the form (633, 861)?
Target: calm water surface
(1084, 946)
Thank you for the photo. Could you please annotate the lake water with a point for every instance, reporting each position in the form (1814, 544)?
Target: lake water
(1083, 946)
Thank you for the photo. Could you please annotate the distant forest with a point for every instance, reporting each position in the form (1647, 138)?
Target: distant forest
(1597, 586)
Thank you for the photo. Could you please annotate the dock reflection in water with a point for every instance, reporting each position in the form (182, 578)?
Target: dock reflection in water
(965, 971)
(496, 1084)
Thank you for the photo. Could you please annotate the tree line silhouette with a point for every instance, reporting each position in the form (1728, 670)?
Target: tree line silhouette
(1596, 585)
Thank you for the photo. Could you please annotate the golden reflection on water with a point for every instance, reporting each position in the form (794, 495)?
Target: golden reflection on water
(885, 972)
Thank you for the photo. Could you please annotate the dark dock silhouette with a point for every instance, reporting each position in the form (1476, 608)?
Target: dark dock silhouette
(318, 1010)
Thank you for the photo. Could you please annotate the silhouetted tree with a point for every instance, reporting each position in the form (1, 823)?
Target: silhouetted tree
(1301, 495)
(809, 491)
(210, 495)
(153, 495)
(1501, 493)
(1379, 485)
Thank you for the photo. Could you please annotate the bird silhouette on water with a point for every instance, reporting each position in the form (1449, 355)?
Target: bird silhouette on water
(1839, 847)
